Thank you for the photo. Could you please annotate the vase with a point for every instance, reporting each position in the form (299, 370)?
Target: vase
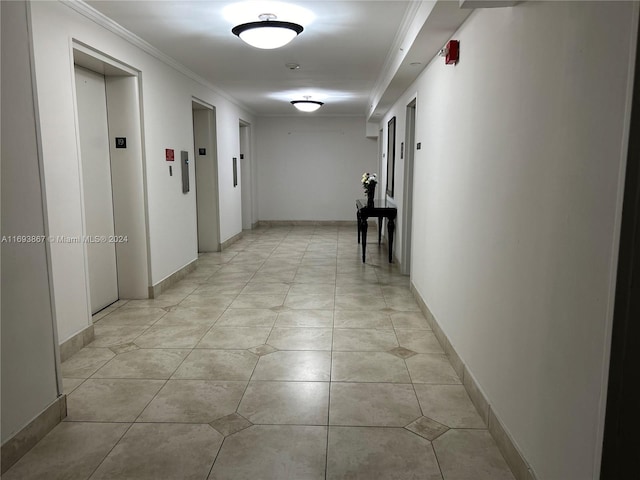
(371, 194)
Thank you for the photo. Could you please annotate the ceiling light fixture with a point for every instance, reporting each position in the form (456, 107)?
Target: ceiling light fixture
(306, 105)
(268, 33)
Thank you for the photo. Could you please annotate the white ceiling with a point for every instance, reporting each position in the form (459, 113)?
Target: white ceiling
(341, 52)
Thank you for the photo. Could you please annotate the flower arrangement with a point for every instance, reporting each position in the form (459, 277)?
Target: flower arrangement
(369, 182)
(369, 179)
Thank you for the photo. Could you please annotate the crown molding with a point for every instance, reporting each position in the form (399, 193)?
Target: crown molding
(102, 20)
(394, 53)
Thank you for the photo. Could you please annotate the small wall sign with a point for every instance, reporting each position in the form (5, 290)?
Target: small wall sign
(121, 142)
(169, 154)
(202, 151)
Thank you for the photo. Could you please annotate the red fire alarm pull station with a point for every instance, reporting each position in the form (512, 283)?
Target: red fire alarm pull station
(451, 52)
(169, 155)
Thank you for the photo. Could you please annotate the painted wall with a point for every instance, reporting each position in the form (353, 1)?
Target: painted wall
(309, 168)
(516, 214)
(28, 358)
(167, 123)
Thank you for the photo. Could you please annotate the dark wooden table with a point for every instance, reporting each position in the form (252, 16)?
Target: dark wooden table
(381, 209)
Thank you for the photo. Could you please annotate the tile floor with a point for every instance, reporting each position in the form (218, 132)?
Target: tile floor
(283, 357)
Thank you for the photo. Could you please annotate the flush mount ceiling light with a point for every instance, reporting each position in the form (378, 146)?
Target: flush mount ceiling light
(307, 105)
(268, 33)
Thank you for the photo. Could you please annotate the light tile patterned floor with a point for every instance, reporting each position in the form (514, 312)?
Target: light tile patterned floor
(283, 357)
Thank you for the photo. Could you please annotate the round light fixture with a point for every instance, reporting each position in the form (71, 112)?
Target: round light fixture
(268, 33)
(306, 105)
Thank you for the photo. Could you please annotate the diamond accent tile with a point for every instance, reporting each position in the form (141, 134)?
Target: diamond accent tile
(230, 424)
(262, 350)
(124, 347)
(427, 428)
(402, 352)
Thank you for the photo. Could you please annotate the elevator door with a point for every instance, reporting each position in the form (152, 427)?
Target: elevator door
(98, 194)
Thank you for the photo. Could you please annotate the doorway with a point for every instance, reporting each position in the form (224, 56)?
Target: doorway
(246, 179)
(98, 195)
(115, 226)
(407, 202)
(206, 173)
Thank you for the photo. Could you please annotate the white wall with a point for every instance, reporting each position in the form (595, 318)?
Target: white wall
(309, 168)
(28, 358)
(167, 123)
(516, 214)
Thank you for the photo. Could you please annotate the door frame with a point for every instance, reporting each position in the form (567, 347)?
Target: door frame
(212, 182)
(407, 201)
(135, 251)
(622, 419)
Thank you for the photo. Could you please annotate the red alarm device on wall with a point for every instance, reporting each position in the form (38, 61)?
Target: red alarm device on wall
(452, 52)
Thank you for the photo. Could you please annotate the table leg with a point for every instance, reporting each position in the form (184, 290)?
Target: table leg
(391, 228)
(358, 222)
(364, 227)
(380, 230)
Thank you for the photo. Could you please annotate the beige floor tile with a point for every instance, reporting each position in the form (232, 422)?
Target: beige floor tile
(305, 318)
(111, 400)
(313, 278)
(449, 405)
(274, 277)
(312, 289)
(110, 335)
(360, 453)
(410, 320)
(134, 316)
(162, 451)
(70, 384)
(432, 368)
(71, 451)
(86, 362)
(273, 452)
(258, 301)
(162, 301)
(376, 367)
(266, 289)
(230, 424)
(299, 403)
(294, 366)
(219, 302)
(284, 338)
(360, 319)
(160, 336)
(234, 338)
(143, 363)
(396, 291)
(194, 401)
(217, 365)
(373, 404)
(356, 289)
(246, 317)
(206, 316)
(361, 340)
(310, 302)
(402, 304)
(231, 277)
(465, 454)
(221, 289)
(420, 341)
(360, 302)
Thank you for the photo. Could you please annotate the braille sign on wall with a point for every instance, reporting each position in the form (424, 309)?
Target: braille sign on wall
(169, 154)
(121, 142)
(202, 151)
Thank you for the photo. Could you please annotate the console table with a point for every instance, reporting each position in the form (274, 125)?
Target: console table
(381, 209)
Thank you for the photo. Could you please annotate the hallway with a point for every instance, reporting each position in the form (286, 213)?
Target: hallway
(283, 357)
